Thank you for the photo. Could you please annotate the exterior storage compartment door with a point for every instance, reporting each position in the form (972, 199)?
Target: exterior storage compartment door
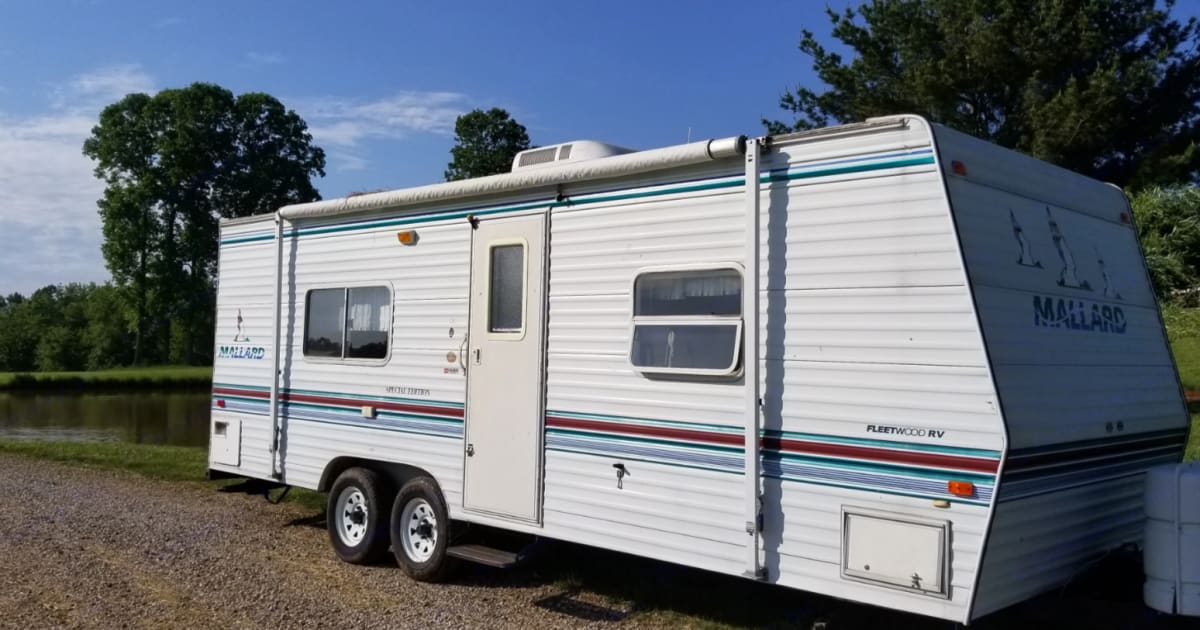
(896, 550)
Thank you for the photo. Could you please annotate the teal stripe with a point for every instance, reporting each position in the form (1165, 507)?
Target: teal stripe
(911, 495)
(889, 469)
(635, 458)
(379, 413)
(719, 428)
(852, 168)
(812, 437)
(644, 440)
(730, 183)
(932, 448)
(393, 429)
(842, 463)
(316, 392)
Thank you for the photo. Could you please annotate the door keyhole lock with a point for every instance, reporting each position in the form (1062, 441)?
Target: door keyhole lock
(470, 450)
(621, 472)
(478, 356)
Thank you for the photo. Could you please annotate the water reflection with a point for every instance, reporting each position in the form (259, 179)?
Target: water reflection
(178, 418)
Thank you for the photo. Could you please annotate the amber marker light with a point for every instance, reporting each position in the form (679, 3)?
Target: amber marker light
(961, 488)
(407, 238)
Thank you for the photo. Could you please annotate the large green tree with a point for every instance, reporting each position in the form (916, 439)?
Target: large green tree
(174, 163)
(1109, 88)
(485, 143)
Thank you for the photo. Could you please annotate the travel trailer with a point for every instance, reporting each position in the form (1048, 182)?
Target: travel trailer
(884, 361)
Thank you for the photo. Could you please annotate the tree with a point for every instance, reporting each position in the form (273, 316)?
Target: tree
(1109, 88)
(1168, 222)
(485, 143)
(173, 164)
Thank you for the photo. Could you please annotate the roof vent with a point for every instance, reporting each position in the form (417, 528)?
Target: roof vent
(576, 151)
(534, 157)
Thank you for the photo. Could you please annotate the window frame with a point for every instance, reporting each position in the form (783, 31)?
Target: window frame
(733, 370)
(507, 335)
(344, 360)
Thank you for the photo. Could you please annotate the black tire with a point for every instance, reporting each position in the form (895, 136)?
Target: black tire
(350, 541)
(430, 562)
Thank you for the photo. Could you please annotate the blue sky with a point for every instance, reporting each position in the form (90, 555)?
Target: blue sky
(380, 85)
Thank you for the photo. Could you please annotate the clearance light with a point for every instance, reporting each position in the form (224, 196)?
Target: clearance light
(221, 404)
(407, 238)
(959, 168)
(961, 488)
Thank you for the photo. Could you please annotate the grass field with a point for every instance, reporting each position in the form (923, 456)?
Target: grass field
(168, 463)
(1183, 328)
(138, 377)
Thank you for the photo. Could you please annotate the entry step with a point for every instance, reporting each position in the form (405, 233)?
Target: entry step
(488, 556)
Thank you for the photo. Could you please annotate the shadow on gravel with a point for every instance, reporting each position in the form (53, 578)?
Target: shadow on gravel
(571, 605)
(1107, 596)
(596, 585)
(316, 521)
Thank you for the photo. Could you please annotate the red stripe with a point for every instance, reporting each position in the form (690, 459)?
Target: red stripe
(881, 455)
(347, 402)
(785, 445)
(680, 434)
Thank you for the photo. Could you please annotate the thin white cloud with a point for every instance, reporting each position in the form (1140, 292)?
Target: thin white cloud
(49, 227)
(262, 59)
(343, 161)
(344, 124)
(93, 90)
(168, 22)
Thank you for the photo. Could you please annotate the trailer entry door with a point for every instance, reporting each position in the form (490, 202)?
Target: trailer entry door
(503, 447)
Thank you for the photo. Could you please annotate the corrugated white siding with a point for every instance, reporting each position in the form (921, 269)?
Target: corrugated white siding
(247, 272)
(1082, 366)
(1043, 541)
(322, 415)
(866, 321)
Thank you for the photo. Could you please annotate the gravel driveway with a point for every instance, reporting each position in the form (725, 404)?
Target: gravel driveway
(91, 548)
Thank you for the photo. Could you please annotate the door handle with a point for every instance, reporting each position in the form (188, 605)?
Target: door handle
(470, 450)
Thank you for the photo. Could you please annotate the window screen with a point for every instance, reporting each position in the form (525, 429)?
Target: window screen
(687, 321)
(368, 314)
(348, 323)
(323, 323)
(506, 293)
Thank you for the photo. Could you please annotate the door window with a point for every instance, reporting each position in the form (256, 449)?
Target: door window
(506, 288)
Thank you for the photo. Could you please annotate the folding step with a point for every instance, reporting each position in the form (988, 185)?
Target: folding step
(488, 556)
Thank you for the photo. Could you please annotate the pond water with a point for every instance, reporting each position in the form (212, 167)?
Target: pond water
(146, 417)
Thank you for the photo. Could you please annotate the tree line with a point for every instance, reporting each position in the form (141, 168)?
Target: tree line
(64, 327)
(1107, 88)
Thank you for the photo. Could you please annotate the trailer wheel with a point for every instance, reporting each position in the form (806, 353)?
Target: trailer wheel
(356, 515)
(421, 531)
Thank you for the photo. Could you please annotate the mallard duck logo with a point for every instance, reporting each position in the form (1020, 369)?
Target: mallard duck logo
(1067, 276)
(240, 335)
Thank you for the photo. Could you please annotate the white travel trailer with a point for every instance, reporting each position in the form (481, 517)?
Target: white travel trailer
(883, 361)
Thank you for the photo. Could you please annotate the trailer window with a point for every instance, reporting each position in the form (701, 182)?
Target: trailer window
(687, 322)
(348, 323)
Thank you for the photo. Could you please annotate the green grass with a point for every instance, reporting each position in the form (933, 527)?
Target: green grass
(157, 376)
(1183, 329)
(153, 461)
